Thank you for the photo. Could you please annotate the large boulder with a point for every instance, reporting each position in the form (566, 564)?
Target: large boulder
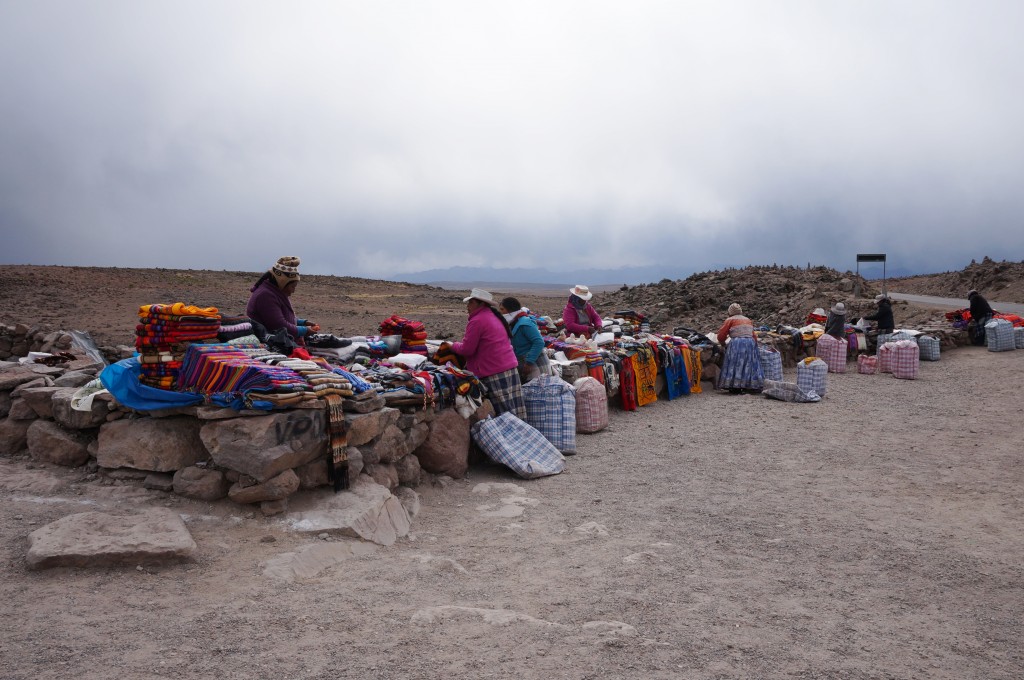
(265, 446)
(93, 539)
(13, 436)
(200, 483)
(40, 399)
(49, 442)
(364, 427)
(368, 511)
(21, 410)
(276, 488)
(14, 375)
(78, 420)
(446, 450)
(390, 445)
(408, 468)
(156, 444)
(384, 474)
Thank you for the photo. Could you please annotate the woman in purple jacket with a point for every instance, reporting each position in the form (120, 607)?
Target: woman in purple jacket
(579, 316)
(487, 349)
(269, 303)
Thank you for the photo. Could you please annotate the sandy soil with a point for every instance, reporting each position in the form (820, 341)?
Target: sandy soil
(877, 534)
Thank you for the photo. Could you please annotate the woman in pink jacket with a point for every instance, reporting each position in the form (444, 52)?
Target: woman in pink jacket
(579, 316)
(487, 349)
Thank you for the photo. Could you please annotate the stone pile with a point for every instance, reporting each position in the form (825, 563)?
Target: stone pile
(20, 339)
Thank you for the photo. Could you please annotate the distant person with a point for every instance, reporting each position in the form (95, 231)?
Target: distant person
(981, 314)
(741, 368)
(579, 316)
(527, 342)
(269, 302)
(835, 322)
(487, 349)
(883, 318)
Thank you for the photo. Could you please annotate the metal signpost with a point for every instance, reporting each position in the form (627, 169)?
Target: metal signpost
(872, 257)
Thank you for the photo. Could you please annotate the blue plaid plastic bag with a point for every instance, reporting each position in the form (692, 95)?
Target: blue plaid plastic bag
(518, 445)
(551, 408)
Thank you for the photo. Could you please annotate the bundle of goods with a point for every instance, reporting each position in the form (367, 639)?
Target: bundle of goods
(591, 406)
(551, 408)
(867, 364)
(163, 334)
(244, 371)
(638, 376)
(905, 359)
(999, 335)
(509, 441)
(787, 391)
(693, 338)
(833, 352)
(885, 357)
(816, 317)
(930, 348)
(632, 322)
(771, 362)
(413, 333)
(812, 375)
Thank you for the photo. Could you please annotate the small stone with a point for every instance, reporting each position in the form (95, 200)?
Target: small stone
(324, 536)
(138, 568)
(268, 539)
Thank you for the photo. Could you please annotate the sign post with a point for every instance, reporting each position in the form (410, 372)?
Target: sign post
(872, 257)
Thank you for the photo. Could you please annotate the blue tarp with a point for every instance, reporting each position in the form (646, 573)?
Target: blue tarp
(122, 379)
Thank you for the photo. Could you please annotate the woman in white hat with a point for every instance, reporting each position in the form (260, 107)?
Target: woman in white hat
(835, 322)
(269, 302)
(487, 349)
(579, 316)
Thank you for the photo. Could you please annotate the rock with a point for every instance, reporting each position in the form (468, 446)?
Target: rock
(408, 468)
(312, 474)
(77, 420)
(355, 463)
(38, 382)
(156, 444)
(12, 377)
(384, 474)
(87, 365)
(416, 436)
(74, 379)
(49, 442)
(13, 436)
(271, 508)
(5, 404)
(40, 399)
(364, 427)
(276, 488)
(446, 449)
(200, 483)
(390, 445)
(21, 410)
(93, 539)
(367, 510)
(374, 402)
(264, 447)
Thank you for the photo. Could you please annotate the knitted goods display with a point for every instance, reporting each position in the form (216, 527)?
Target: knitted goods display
(812, 375)
(591, 406)
(209, 369)
(511, 442)
(551, 408)
(771, 362)
(930, 348)
(999, 335)
(867, 364)
(905, 359)
(833, 352)
(413, 333)
(677, 382)
(163, 334)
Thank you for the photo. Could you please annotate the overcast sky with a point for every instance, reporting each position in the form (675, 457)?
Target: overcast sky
(381, 138)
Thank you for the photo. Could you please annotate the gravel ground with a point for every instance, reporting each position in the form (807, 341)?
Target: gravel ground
(877, 534)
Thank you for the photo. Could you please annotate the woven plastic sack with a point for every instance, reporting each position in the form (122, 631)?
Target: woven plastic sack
(1018, 337)
(999, 335)
(930, 348)
(881, 340)
(833, 352)
(812, 375)
(771, 362)
(885, 354)
(867, 364)
(591, 405)
(518, 445)
(551, 408)
(787, 391)
(905, 359)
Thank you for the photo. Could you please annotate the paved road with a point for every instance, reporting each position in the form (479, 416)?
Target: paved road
(957, 303)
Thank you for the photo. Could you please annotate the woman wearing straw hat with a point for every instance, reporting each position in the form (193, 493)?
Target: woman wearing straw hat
(269, 302)
(579, 316)
(741, 368)
(487, 349)
(835, 322)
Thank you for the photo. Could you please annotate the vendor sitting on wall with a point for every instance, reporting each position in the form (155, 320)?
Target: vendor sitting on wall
(579, 316)
(269, 303)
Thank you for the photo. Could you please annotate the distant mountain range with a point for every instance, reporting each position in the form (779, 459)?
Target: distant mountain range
(526, 277)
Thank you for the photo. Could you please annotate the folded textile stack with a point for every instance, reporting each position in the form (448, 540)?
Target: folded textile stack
(241, 369)
(163, 334)
(414, 333)
(320, 376)
(235, 328)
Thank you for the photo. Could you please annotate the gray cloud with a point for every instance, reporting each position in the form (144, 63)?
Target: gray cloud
(379, 139)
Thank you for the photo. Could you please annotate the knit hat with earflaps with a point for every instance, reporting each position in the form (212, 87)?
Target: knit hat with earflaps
(285, 270)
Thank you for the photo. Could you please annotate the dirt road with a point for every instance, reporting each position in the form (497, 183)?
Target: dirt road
(877, 534)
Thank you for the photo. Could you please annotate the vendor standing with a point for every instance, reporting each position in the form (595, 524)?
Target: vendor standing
(579, 315)
(741, 368)
(981, 314)
(883, 317)
(527, 342)
(487, 349)
(269, 302)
